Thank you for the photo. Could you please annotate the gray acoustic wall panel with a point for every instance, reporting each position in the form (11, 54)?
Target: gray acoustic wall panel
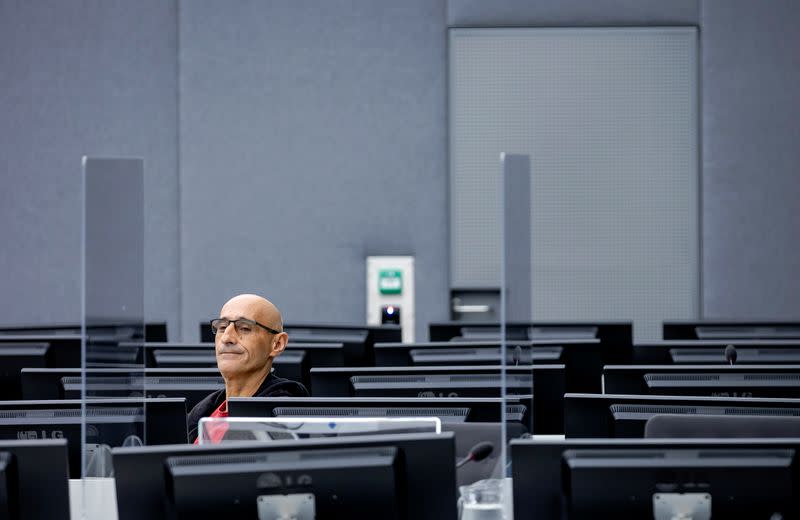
(751, 159)
(609, 118)
(95, 77)
(313, 134)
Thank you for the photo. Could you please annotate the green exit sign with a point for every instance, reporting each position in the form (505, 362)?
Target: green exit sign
(390, 281)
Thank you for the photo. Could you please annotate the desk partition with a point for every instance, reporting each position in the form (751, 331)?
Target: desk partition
(112, 306)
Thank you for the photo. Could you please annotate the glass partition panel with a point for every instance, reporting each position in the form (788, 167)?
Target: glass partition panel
(113, 311)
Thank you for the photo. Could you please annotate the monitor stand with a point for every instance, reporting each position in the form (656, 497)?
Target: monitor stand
(682, 506)
(297, 506)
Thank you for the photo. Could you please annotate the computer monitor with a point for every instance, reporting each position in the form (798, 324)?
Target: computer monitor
(8, 485)
(194, 388)
(358, 340)
(763, 423)
(362, 482)
(356, 349)
(712, 352)
(583, 357)
(154, 331)
(64, 351)
(34, 479)
(710, 329)
(384, 333)
(614, 334)
(746, 356)
(448, 409)
(609, 416)
(398, 354)
(377, 333)
(485, 356)
(704, 380)
(544, 382)
(111, 422)
(13, 358)
(665, 478)
(194, 384)
(292, 364)
(427, 476)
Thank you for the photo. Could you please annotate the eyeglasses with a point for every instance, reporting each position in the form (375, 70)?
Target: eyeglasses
(243, 326)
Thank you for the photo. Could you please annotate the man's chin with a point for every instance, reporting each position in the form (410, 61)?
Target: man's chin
(229, 364)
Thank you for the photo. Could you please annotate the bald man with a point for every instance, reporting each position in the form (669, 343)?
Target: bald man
(248, 336)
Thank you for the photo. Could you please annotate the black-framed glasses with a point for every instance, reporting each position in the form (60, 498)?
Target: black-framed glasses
(243, 326)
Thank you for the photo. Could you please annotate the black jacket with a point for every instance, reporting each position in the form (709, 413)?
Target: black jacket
(273, 386)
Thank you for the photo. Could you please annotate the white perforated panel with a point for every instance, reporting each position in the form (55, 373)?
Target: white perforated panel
(609, 118)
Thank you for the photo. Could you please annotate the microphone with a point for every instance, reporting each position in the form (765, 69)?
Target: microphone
(477, 453)
(517, 355)
(730, 354)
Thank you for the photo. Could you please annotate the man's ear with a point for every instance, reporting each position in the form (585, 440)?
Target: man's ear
(279, 344)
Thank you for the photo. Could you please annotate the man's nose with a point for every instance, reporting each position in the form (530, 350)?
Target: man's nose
(229, 333)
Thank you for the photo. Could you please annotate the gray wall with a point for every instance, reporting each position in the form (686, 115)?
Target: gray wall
(750, 134)
(339, 107)
(313, 134)
(570, 13)
(751, 159)
(82, 77)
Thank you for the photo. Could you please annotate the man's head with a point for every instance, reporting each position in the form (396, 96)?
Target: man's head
(249, 337)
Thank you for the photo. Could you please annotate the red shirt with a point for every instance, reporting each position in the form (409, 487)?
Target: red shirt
(217, 430)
